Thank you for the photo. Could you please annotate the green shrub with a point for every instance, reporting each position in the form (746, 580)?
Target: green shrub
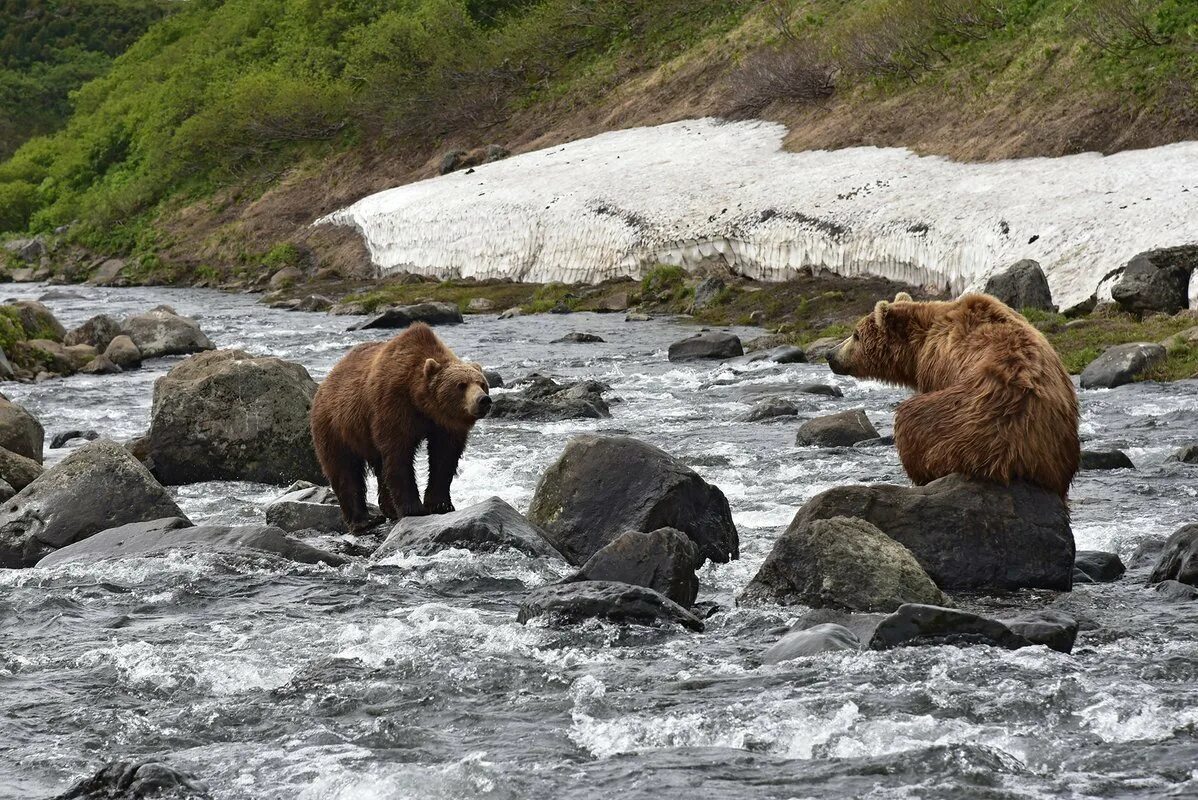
(284, 254)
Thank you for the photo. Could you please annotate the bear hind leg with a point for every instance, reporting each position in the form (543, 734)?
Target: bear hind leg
(347, 476)
(386, 503)
(935, 436)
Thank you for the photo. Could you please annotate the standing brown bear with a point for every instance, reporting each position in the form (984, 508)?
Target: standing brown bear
(994, 400)
(378, 404)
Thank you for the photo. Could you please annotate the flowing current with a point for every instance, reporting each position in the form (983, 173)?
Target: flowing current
(411, 678)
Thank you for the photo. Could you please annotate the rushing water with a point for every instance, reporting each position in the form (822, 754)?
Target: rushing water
(412, 679)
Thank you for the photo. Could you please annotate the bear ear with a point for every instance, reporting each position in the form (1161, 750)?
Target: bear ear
(880, 311)
(903, 297)
(431, 368)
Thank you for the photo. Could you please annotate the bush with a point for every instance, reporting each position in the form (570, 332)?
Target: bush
(799, 72)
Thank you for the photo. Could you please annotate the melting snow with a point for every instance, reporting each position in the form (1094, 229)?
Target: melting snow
(709, 191)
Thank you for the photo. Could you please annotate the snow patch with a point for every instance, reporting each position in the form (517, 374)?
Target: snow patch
(705, 191)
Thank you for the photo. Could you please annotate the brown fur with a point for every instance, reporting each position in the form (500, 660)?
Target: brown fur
(994, 400)
(378, 404)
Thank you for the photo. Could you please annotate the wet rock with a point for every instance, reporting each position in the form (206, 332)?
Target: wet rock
(819, 349)
(663, 560)
(1022, 285)
(617, 301)
(602, 486)
(706, 292)
(6, 371)
(915, 625)
(1156, 280)
(161, 332)
(1120, 364)
(349, 309)
(59, 294)
(616, 602)
(1052, 629)
(861, 624)
(48, 355)
(1097, 566)
(1105, 459)
(770, 408)
(484, 527)
(836, 430)
(841, 563)
(30, 251)
(111, 272)
(18, 471)
(1178, 560)
(61, 439)
(825, 638)
(162, 535)
(511, 313)
(578, 338)
(123, 352)
(820, 388)
(787, 354)
(546, 400)
(403, 316)
(97, 487)
(1176, 592)
(100, 365)
(1186, 455)
(494, 379)
(967, 535)
(285, 277)
(701, 346)
(636, 316)
(308, 507)
(38, 321)
(98, 331)
(20, 431)
(314, 302)
(881, 441)
(135, 780)
(228, 415)
(6, 491)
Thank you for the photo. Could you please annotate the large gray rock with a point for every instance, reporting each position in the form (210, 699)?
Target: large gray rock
(819, 349)
(97, 487)
(826, 638)
(227, 415)
(309, 508)
(17, 470)
(38, 321)
(836, 430)
(616, 602)
(136, 780)
(1105, 459)
(1021, 285)
(403, 316)
(1179, 557)
(20, 432)
(1120, 364)
(841, 563)
(159, 536)
(484, 527)
(707, 291)
(663, 560)
(30, 251)
(915, 625)
(771, 408)
(967, 535)
(1097, 566)
(1052, 629)
(602, 486)
(1185, 455)
(1157, 280)
(706, 346)
(162, 332)
(99, 331)
(545, 400)
(123, 352)
(110, 272)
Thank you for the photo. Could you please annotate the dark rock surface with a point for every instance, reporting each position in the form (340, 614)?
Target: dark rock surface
(615, 602)
(483, 527)
(1022, 285)
(663, 560)
(1120, 364)
(578, 338)
(820, 388)
(1105, 459)
(137, 780)
(1052, 629)
(1098, 566)
(771, 408)
(61, 439)
(1156, 280)
(713, 345)
(836, 430)
(915, 625)
(1179, 558)
(544, 399)
(20, 431)
(817, 639)
(404, 316)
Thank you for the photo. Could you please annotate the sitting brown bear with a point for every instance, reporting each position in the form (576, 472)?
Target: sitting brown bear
(376, 406)
(994, 400)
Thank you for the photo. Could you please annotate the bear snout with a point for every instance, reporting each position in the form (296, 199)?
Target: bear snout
(484, 406)
(836, 359)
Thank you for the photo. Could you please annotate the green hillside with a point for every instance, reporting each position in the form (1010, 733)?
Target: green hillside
(227, 103)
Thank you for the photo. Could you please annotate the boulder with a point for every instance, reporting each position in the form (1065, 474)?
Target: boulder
(881, 441)
(484, 527)
(820, 388)
(1183, 340)
(162, 332)
(1097, 566)
(38, 321)
(480, 305)
(159, 536)
(616, 602)
(314, 303)
(286, 277)
(787, 354)
(1156, 280)
(836, 430)
(20, 431)
(967, 535)
(511, 313)
(60, 439)
(309, 508)
(6, 371)
(1178, 560)
(1185, 455)
(1105, 459)
(6, 491)
(109, 273)
(771, 408)
(100, 365)
(1022, 285)
(825, 638)
(663, 560)
(1120, 364)
(31, 251)
(17, 470)
(494, 379)
(135, 780)
(45, 355)
(123, 352)
(819, 349)
(578, 338)
(841, 563)
(706, 346)
(706, 292)
(349, 309)
(545, 400)
(227, 415)
(97, 487)
(915, 625)
(403, 316)
(1054, 630)
(602, 486)
(1176, 591)
(99, 331)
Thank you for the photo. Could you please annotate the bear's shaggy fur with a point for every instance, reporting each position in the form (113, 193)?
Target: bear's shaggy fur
(994, 400)
(376, 406)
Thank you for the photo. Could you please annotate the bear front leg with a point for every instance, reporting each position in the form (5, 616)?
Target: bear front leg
(399, 474)
(444, 451)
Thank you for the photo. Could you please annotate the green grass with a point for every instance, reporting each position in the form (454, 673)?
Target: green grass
(1081, 341)
(502, 295)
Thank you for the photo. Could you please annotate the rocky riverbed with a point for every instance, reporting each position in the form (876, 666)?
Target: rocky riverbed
(409, 675)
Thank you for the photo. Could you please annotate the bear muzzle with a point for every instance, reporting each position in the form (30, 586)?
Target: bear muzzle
(837, 359)
(483, 406)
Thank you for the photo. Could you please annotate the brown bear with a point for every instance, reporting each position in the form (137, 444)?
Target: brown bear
(994, 400)
(374, 409)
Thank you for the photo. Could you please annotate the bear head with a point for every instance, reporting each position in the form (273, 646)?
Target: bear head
(884, 344)
(458, 389)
